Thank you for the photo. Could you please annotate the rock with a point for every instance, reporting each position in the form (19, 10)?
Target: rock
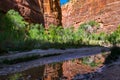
(78, 76)
(90, 59)
(45, 12)
(88, 76)
(110, 72)
(89, 29)
(29, 77)
(77, 11)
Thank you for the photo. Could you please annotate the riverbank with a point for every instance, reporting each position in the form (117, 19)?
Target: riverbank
(107, 72)
(67, 54)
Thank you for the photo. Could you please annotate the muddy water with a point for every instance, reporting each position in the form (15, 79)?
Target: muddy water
(66, 70)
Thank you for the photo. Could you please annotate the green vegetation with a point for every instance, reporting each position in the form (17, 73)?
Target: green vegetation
(12, 29)
(16, 76)
(89, 61)
(17, 34)
(114, 38)
(89, 24)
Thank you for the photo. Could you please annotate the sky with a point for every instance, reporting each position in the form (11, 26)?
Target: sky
(63, 1)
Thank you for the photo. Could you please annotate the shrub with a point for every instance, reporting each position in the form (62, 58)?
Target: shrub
(93, 23)
(16, 34)
(36, 31)
(89, 24)
(114, 38)
(12, 29)
(13, 25)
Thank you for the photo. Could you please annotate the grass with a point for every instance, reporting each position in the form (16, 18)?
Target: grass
(26, 59)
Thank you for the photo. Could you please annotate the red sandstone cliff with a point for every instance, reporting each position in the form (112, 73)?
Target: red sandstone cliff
(73, 13)
(106, 12)
(38, 11)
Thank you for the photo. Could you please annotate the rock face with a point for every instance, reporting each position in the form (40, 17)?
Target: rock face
(103, 11)
(38, 11)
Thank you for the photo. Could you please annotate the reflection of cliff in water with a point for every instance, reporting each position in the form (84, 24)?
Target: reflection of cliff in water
(52, 71)
(55, 71)
(73, 67)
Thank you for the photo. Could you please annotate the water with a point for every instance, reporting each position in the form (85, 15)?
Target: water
(55, 71)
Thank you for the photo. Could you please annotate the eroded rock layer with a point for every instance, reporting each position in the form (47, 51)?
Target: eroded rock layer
(106, 12)
(38, 11)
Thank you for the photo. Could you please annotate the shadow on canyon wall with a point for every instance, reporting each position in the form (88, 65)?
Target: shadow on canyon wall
(58, 9)
(31, 10)
(37, 11)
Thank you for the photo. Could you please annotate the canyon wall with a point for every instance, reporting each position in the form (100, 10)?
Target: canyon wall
(106, 12)
(73, 13)
(45, 12)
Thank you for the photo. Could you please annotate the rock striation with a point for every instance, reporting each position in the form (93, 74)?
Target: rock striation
(75, 12)
(105, 12)
(37, 11)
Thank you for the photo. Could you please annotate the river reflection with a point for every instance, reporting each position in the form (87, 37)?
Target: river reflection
(56, 71)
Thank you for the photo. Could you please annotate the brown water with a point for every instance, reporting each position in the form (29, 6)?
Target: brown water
(54, 71)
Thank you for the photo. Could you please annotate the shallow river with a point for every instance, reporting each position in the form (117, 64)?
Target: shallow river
(65, 70)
